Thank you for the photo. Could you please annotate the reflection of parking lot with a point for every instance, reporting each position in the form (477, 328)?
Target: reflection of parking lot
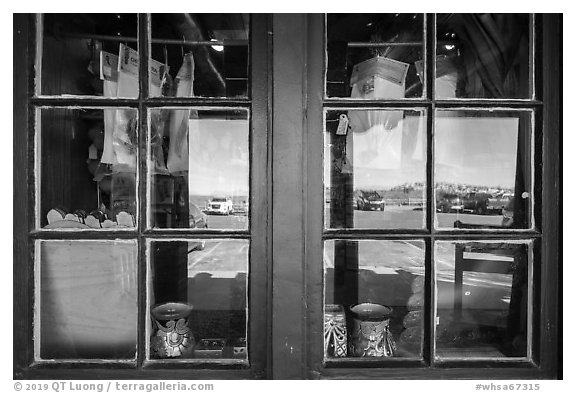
(232, 221)
(394, 257)
(227, 258)
(407, 217)
(219, 258)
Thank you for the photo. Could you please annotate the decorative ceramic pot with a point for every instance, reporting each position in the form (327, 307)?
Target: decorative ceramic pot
(172, 336)
(370, 336)
(335, 340)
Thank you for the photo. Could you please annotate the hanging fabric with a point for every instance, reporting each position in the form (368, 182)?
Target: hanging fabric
(179, 118)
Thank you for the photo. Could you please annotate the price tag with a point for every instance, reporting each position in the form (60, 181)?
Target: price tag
(342, 125)
(92, 153)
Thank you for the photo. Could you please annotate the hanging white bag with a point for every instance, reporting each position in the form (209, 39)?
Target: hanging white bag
(179, 119)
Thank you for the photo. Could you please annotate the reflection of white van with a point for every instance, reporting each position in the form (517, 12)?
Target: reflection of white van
(220, 205)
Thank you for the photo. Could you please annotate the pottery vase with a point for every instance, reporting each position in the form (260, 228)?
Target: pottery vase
(172, 337)
(370, 335)
(335, 332)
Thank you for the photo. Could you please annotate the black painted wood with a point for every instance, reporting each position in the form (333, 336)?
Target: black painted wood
(22, 267)
(551, 266)
(314, 205)
(288, 288)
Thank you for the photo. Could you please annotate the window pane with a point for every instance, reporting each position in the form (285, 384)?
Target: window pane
(200, 168)
(199, 285)
(375, 174)
(483, 56)
(76, 45)
(88, 299)
(360, 69)
(374, 298)
(87, 168)
(483, 169)
(198, 67)
(482, 299)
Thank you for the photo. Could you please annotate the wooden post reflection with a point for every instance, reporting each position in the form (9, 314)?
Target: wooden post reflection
(342, 214)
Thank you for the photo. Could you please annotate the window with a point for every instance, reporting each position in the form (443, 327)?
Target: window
(431, 235)
(146, 147)
(287, 196)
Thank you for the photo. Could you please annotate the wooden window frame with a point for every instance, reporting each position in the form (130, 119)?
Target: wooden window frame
(27, 100)
(545, 362)
(288, 93)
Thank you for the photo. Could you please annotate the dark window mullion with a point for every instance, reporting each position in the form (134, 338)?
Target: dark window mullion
(429, 282)
(142, 181)
(532, 57)
(198, 101)
(84, 102)
(338, 103)
(186, 235)
(485, 103)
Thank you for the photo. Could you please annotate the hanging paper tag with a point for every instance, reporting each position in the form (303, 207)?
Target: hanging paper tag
(342, 125)
(92, 153)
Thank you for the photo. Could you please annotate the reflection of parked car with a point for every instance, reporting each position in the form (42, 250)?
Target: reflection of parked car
(220, 205)
(197, 218)
(370, 200)
(241, 208)
(495, 205)
(508, 213)
(449, 203)
(477, 202)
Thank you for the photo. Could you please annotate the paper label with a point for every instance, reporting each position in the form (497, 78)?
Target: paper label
(130, 63)
(108, 67)
(92, 153)
(342, 125)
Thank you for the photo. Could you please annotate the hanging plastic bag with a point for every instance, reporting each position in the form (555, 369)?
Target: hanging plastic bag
(125, 139)
(375, 79)
(109, 74)
(179, 119)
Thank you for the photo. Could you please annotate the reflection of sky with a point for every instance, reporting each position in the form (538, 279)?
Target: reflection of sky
(476, 150)
(219, 163)
(469, 150)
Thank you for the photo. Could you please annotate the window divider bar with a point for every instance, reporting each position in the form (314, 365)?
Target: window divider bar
(333, 103)
(444, 236)
(531, 56)
(488, 103)
(186, 235)
(83, 102)
(142, 182)
(198, 102)
(429, 272)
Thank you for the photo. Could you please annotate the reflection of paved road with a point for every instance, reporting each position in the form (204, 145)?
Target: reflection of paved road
(405, 217)
(389, 257)
(227, 222)
(220, 258)
(227, 258)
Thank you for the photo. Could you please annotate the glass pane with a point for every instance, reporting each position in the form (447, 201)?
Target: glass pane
(87, 168)
(206, 54)
(375, 169)
(78, 50)
(200, 168)
(374, 298)
(482, 299)
(374, 56)
(198, 306)
(88, 299)
(483, 56)
(483, 169)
